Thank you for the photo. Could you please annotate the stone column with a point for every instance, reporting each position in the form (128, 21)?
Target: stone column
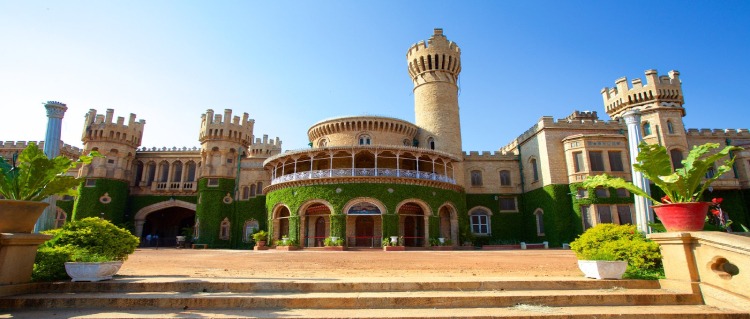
(55, 113)
(643, 213)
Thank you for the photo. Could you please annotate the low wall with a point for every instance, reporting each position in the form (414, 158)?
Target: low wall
(716, 264)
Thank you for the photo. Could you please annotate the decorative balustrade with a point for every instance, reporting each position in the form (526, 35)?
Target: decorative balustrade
(367, 172)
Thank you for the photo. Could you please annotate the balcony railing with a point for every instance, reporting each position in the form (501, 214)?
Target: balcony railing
(370, 172)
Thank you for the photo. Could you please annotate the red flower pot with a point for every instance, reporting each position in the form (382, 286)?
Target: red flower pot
(681, 217)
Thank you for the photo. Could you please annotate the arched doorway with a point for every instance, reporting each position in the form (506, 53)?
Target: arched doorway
(448, 223)
(283, 223)
(315, 220)
(412, 221)
(166, 224)
(320, 231)
(363, 223)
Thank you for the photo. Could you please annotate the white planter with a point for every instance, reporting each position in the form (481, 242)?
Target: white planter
(92, 271)
(334, 239)
(441, 240)
(394, 240)
(599, 269)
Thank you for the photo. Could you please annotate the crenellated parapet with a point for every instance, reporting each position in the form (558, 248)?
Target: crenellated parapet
(101, 128)
(435, 60)
(66, 150)
(265, 147)
(659, 91)
(723, 133)
(215, 127)
(566, 124)
(488, 156)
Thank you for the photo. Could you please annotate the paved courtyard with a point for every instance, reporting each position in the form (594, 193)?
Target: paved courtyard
(270, 264)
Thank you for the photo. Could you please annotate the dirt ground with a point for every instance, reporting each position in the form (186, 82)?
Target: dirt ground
(168, 262)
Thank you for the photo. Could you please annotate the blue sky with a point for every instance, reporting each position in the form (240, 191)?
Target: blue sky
(290, 64)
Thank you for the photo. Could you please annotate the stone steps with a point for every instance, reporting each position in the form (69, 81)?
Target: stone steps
(363, 298)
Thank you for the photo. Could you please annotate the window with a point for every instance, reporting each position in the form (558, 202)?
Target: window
(260, 188)
(596, 160)
(431, 143)
(676, 158)
(585, 217)
(670, 127)
(508, 204)
(615, 161)
(90, 182)
(364, 139)
(323, 143)
(601, 192)
(646, 129)
(476, 178)
(60, 218)
(504, 178)
(245, 192)
(622, 193)
(539, 214)
(480, 222)
(252, 190)
(250, 227)
(407, 142)
(583, 193)
(605, 215)
(710, 172)
(224, 230)
(623, 213)
(578, 161)
(212, 182)
(534, 169)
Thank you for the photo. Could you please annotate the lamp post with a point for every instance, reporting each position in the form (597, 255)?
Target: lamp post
(643, 214)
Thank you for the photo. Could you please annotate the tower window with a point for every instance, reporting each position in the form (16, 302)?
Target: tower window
(597, 163)
(431, 143)
(615, 161)
(504, 178)
(476, 178)
(534, 169)
(676, 158)
(364, 139)
(670, 127)
(646, 129)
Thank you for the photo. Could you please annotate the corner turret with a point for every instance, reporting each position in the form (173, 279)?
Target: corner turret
(659, 91)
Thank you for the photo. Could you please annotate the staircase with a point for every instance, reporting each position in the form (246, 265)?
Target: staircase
(159, 297)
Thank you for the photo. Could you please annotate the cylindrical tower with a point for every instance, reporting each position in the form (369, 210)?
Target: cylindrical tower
(434, 67)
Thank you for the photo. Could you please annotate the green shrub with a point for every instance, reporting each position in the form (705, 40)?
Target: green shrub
(50, 263)
(328, 242)
(96, 236)
(618, 242)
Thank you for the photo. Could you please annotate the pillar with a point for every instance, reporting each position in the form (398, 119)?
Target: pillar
(55, 113)
(643, 213)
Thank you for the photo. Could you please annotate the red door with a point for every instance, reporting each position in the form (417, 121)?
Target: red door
(364, 230)
(320, 231)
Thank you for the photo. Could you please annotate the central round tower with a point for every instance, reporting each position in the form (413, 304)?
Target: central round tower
(434, 67)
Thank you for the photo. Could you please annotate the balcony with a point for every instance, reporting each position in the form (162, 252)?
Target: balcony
(369, 172)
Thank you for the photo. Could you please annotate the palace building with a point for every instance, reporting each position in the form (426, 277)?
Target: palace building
(366, 178)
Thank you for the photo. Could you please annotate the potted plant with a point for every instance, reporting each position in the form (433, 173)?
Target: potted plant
(334, 243)
(87, 266)
(391, 245)
(681, 209)
(260, 239)
(285, 243)
(607, 251)
(26, 179)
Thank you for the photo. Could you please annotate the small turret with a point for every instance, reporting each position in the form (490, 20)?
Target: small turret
(265, 148)
(224, 139)
(116, 141)
(657, 91)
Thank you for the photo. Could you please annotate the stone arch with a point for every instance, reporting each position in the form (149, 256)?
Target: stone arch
(277, 232)
(355, 201)
(140, 216)
(414, 231)
(316, 226)
(425, 207)
(450, 208)
(307, 204)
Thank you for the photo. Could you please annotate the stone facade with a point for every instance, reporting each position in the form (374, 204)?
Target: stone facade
(366, 178)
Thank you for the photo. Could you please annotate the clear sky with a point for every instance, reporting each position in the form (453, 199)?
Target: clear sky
(292, 64)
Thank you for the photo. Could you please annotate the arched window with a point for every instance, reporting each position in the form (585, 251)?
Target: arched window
(151, 173)
(534, 169)
(670, 127)
(364, 139)
(164, 171)
(476, 178)
(60, 218)
(177, 174)
(197, 227)
(252, 190)
(260, 188)
(138, 173)
(711, 171)
(480, 222)
(646, 129)
(676, 155)
(431, 143)
(245, 192)
(251, 226)
(224, 230)
(407, 142)
(190, 171)
(323, 143)
(539, 214)
(504, 178)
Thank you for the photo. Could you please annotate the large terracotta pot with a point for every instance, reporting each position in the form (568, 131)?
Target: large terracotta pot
(682, 217)
(18, 216)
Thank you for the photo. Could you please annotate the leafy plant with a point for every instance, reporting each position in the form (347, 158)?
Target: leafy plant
(50, 262)
(328, 242)
(618, 242)
(84, 256)
(31, 176)
(260, 235)
(97, 236)
(685, 184)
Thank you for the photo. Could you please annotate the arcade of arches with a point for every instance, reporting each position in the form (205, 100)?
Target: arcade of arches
(364, 223)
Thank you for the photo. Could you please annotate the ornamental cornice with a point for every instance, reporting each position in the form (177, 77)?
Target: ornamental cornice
(363, 180)
(400, 149)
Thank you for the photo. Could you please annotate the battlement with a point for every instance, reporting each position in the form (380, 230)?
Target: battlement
(65, 149)
(548, 122)
(265, 147)
(488, 156)
(704, 132)
(101, 128)
(657, 89)
(437, 55)
(215, 127)
(172, 149)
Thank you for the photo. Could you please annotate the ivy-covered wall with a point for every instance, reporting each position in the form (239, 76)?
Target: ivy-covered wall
(592, 200)
(294, 197)
(88, 202)
(253, 208)
(211, 209)
(66, 206)
(561, 222)
(506, 227)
